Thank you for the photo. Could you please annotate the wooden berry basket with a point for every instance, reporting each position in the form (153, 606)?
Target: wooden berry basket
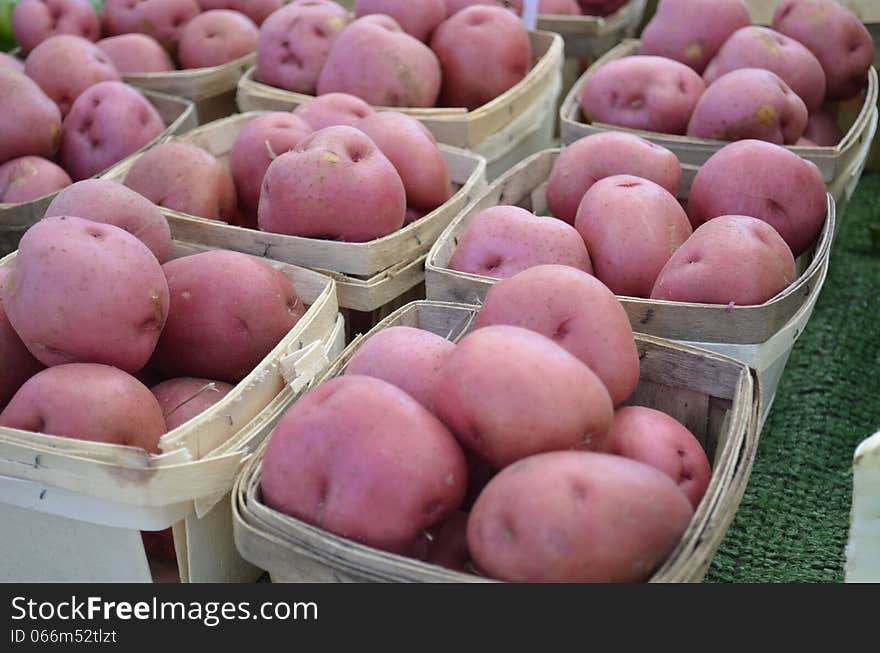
(368, 275)
(760, 336)
(493, 130)
(177, 113)
(863, 549)
(832, 161)
(212, 89)
(68, 496)
(714, 396)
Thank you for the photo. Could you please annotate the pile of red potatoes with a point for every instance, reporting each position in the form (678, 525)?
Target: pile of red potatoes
(704, 71)
(507, 454)
(753, 208)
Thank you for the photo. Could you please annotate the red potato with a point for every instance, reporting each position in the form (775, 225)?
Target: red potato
(631, 227)
(216, 37)
(656, 439)
(72, 401)
(483, 51)
(693, 31)
(749, 103)
(406, 357)
(295, 42)
(760, 47)
(575, 310)
(377, 61)
(733, 260)
(448, 547)
(9, 62)
(360, 458)
(185, 398)
(184, 178)
(136, 53)
(643, 92)
(103, 200)
(503, 240)
(557, 517)
(586, 161)
(764, 181)
(840, 41)
(33, 21)
(106, 123)
(28, 178)
(30, 122)
(18, 363)
(335, 185)
(413, 151)
(803, 141)
(507, 393)
(454, 6)
(81, 291)
(334, 109)
(600, 7)
(228, 312)
(161, 19)
(413, 214)
(65, 66)
(822, 128)
(257, 10)
(559, 7)
(419, 18)
(261, 141)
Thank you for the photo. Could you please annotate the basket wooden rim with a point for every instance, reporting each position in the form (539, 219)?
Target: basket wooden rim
(267, 537)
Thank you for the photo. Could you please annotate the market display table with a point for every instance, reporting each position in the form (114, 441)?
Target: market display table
(793, 523)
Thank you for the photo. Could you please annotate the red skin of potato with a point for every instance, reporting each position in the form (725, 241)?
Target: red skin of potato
(161, 19)
(749, 103)
(9, 62)
(336, 184)
(294, 45)
(30, 122)
(502, 241)
(33, 21)
(184, 178)
(631, 227)
(586, 161)
(692, 31)
(18, 363)
(257, 10)
(413, 151)
(419, 18)
(109, 121)
(448, 547)
(822, 128)
(376, 60)
(643, 92)
(483, 51)
(557, 517)
(507, 393)
(216, 37)
(840, 41)
(87, 401)
(600, 7)
(28, 178)
(334, 109)
(228, 312)
(185, 398)
(658, 440)
(360, 458)
(65, 66)
(764, 181)
(406, 357)
(576, 311)
(732, 260)
(761, 47)
(263, 138)
(99, 297)
(103, 200)
(136, 53)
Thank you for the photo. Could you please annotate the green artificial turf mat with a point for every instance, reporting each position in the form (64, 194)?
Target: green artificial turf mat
(793, 523)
